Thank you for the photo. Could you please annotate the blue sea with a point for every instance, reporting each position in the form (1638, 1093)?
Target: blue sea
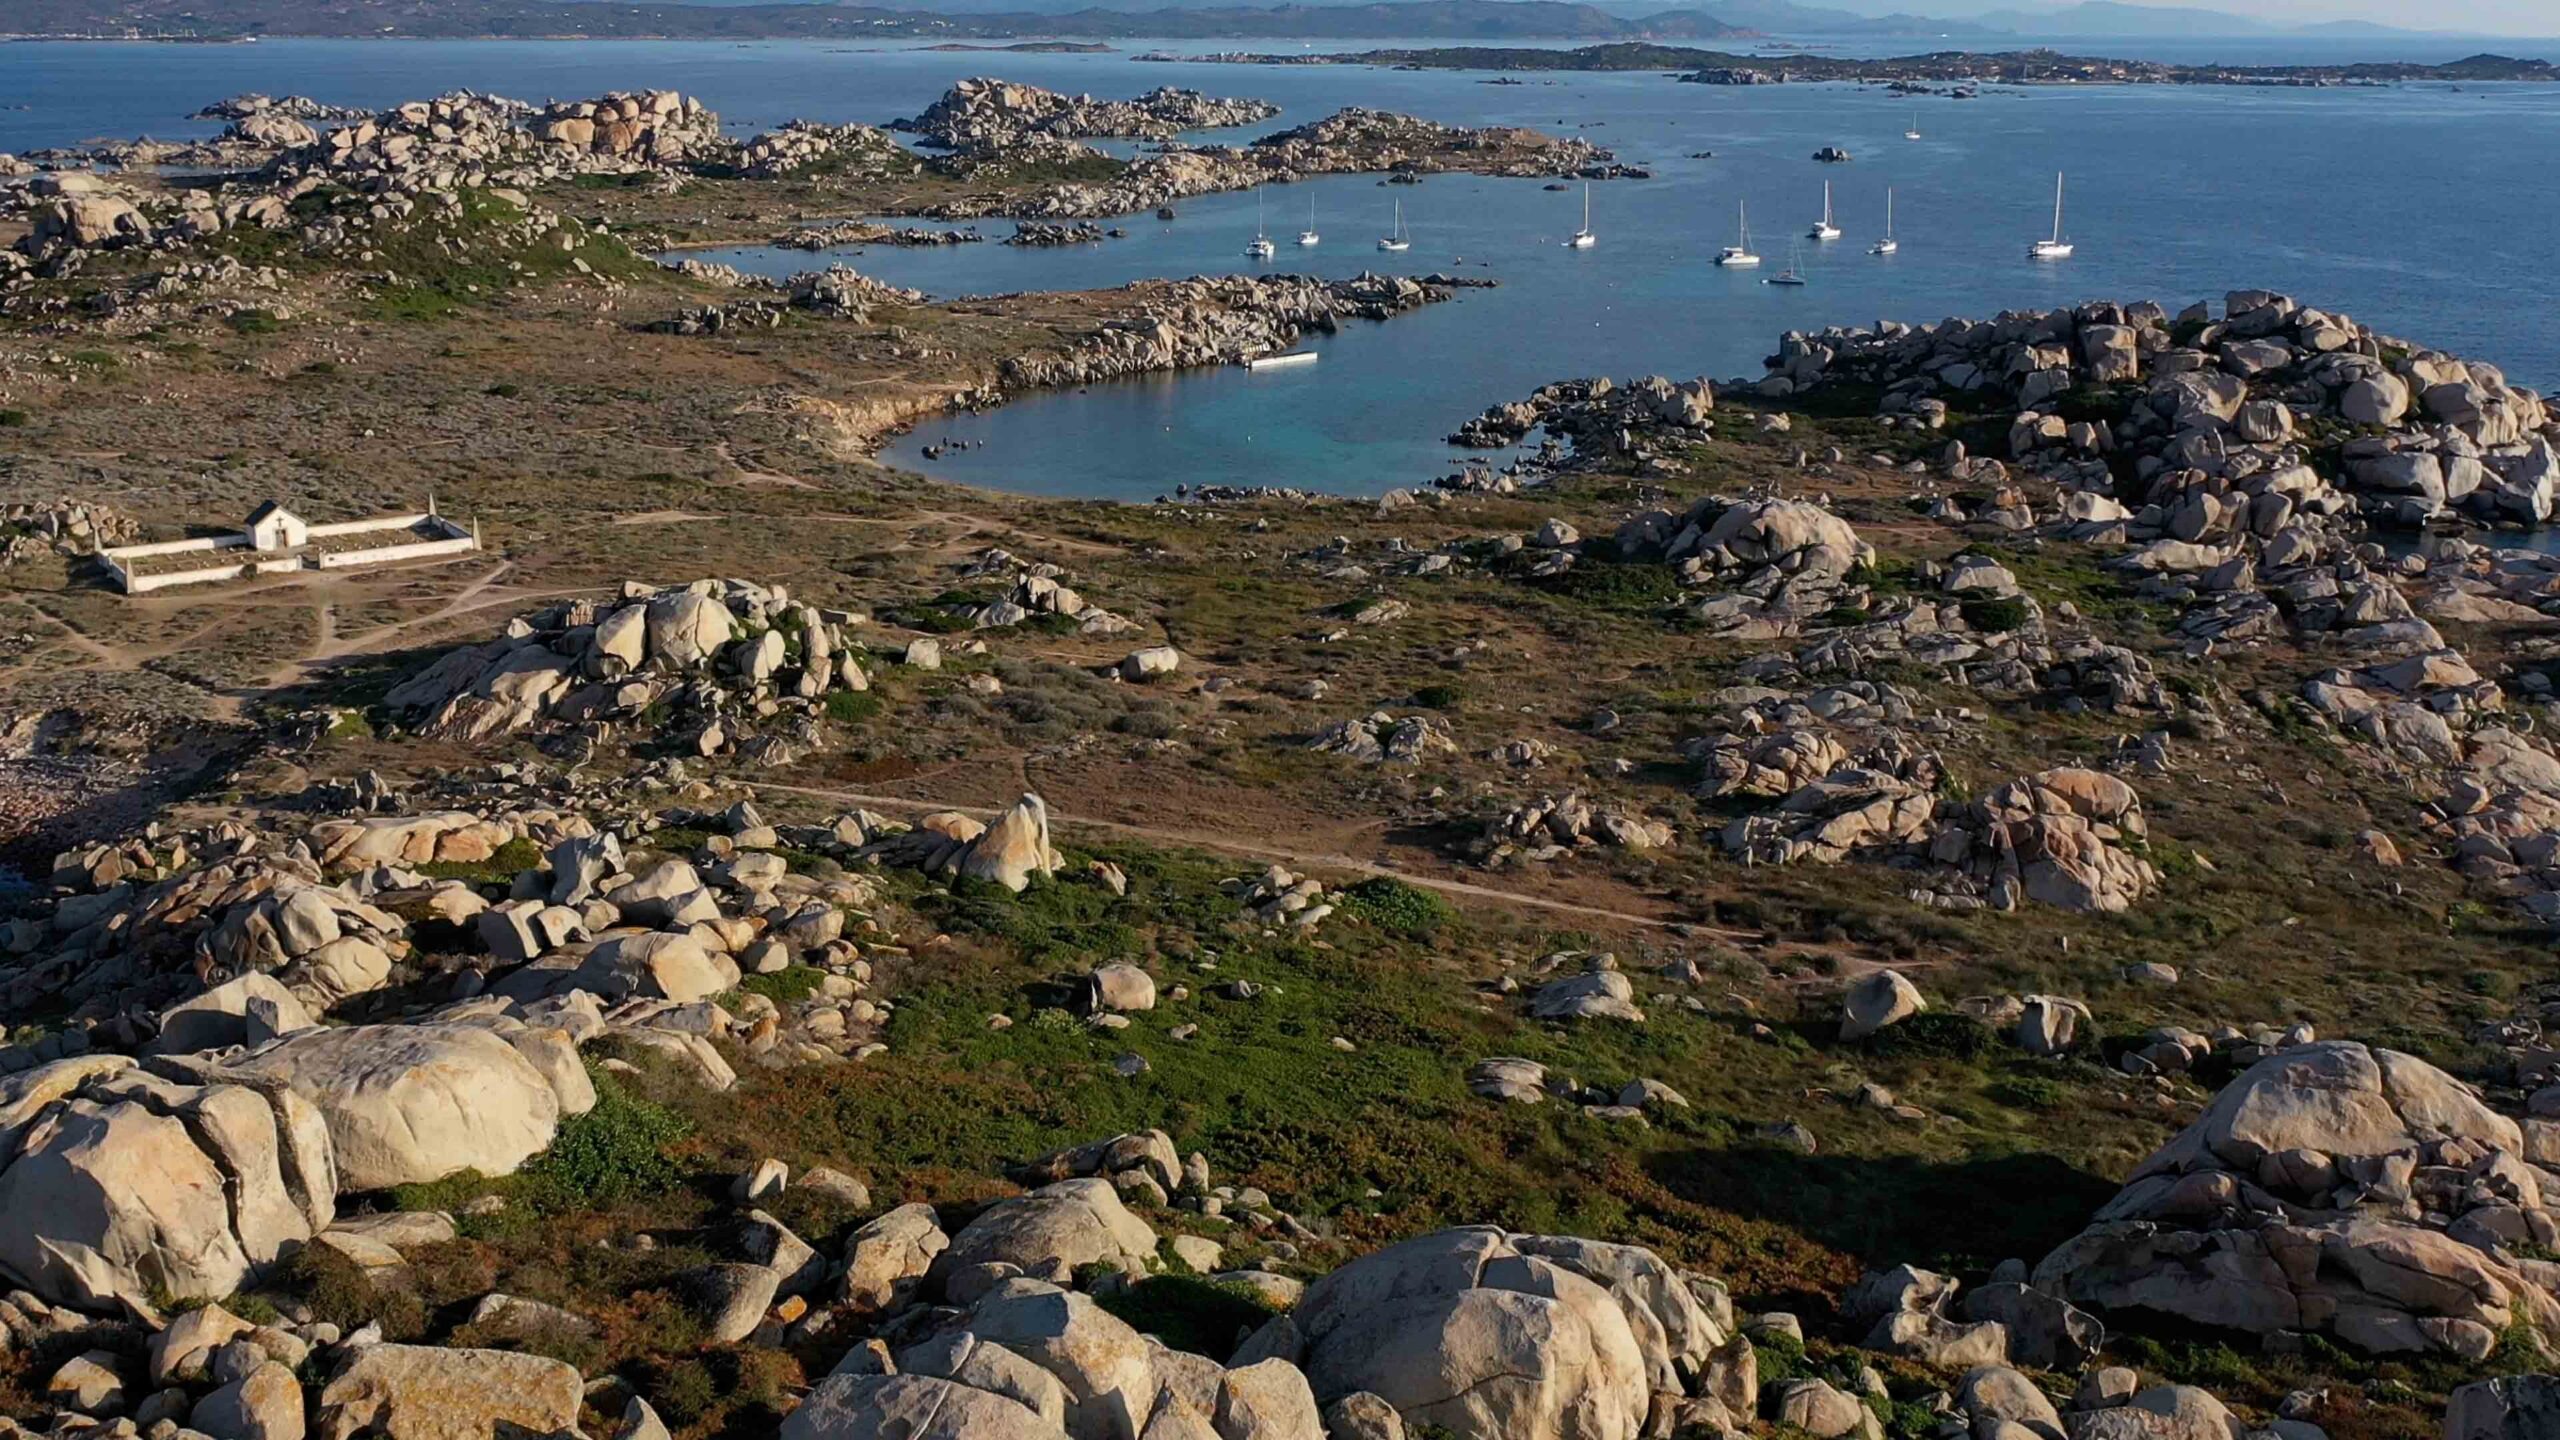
(2424, 209)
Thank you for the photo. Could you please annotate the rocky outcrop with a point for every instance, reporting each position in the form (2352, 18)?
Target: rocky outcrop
(1187, 323)
(707, 656)
(412, 160)
(2210, 412)
(2060, 837)
(984, 116)
(124, 1182)
(1502, 1337)
(837, 293)
(1010, 852)
(1351, 141)
(149, 927)
(2357, 1193)
(1553, 826)
(1602, 418)
(64, 527)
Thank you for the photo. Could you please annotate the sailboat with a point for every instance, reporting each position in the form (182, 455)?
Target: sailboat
(1823, 229)
(2056, 248)
(1261, 248)
(1738, 256)
(1583, 239)
(1888, 244)
(1396, 239)
(1914, 132)
(1309, 236)
(1793, 274)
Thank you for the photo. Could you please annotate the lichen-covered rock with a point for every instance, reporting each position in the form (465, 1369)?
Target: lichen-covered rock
(430, 1392)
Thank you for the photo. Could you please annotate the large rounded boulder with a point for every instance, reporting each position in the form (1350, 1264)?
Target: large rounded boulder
(1054, 1231)
(406, 1104)
(1498, 1337)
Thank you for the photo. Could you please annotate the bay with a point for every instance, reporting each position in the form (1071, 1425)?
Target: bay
(2418, 208)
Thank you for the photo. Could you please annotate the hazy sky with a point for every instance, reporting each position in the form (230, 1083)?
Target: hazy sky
(2512, 17)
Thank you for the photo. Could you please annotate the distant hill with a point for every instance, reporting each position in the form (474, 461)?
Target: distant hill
(1406, 19)
(1487, 20)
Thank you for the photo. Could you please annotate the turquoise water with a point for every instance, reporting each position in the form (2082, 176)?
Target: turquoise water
(2422, 209)
(2404, 208)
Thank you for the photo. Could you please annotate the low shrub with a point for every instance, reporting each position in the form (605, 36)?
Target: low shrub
(1190, 1313)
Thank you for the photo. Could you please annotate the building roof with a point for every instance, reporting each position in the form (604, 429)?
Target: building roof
(271, 507)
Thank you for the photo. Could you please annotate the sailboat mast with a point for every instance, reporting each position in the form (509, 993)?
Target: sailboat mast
(2057, 207)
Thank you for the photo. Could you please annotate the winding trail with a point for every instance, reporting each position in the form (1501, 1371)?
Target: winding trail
(1228, 844)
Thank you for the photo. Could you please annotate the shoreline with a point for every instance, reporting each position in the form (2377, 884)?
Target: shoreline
(2035, 66)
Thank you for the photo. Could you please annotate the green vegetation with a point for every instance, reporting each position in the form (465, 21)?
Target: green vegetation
(1396, 907)
(616, 1153)
(503, 864)
(1190, 1313)
(444, 263)
(853, 707)
(613, 1153)
(1996, 615)
(1621, 586)
(787, 986)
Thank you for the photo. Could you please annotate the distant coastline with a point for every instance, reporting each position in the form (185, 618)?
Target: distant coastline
(1944, 67)
(1454, 20)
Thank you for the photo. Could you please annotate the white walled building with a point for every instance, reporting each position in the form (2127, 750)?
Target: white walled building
(275, 541)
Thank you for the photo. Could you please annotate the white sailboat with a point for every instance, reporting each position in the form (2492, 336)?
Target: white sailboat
(1888, 244)
(1583, 239)
(1793, 274)
(1396, 239)
(1261, 248)
(1823, 229)
(1309, 236)
(2056, 248)
(1738, 256)
(1914, 132)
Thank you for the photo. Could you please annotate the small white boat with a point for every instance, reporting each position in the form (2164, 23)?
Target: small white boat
(1277, 362)
(1914, 132)
(2056, 248)
(1738, 256)
(1396, 240)
(1823, 229)
(1888, 245)
(1308, 236)
(1583, 239)
(1261, 248)
(1793, 274)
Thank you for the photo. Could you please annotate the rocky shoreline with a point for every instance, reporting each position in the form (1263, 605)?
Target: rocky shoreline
(331, 177)
(1956, 67)
(1351, 142)
(985, 116)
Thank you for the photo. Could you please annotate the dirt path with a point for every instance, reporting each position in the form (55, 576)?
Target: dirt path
(1231, 845)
